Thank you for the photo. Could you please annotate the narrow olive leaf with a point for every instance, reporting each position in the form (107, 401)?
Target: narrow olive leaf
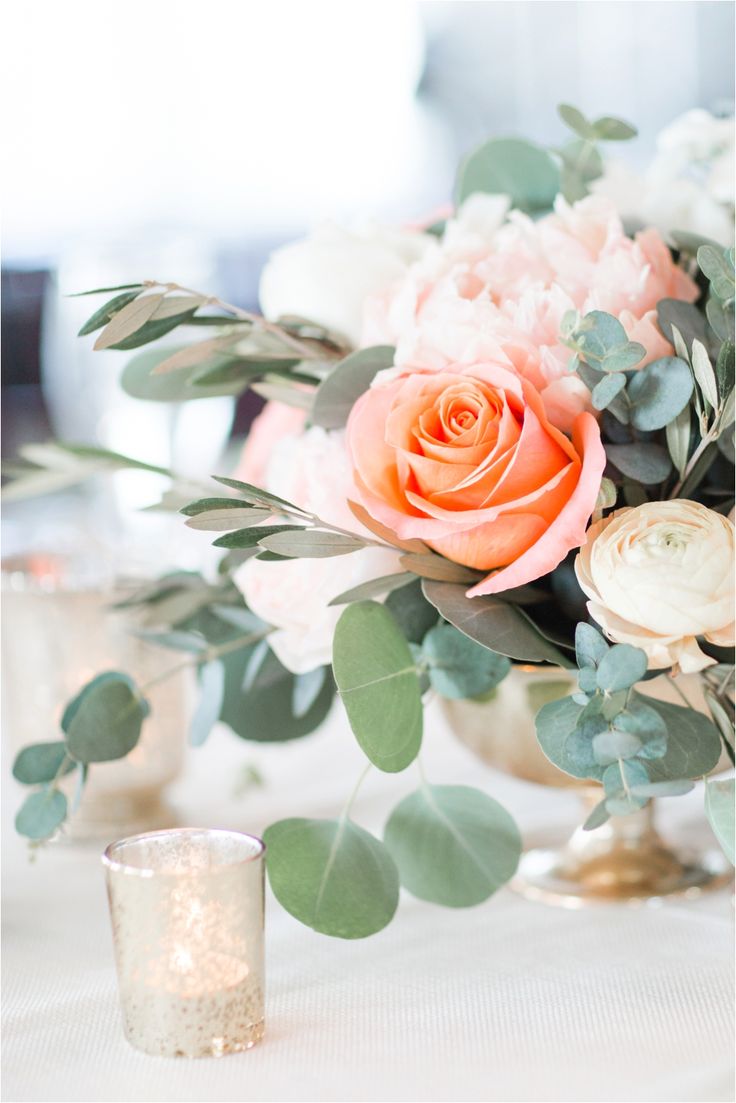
(42, 762)
(719, 808)
(139, 378)
(102, 290)
(105, 314)
(645, 463)
(437, 568)
(207, 505)
(383, 531)
(453, 845)
(251, 537)
(347, 381)
(41, 814)
(151, 331)
(211, 694)
(307, 688)
(311, 543)
(659, 392)
(279, 391)
(458, 667)
(176, 640)
(725, 365)
(332, 876)
(104, 721)
(577, 121)
(373, 588)
(255, 663)
(177, 304)
(255, 494)
(225, 520)
(378, 683)
(677, 433)
(704, 374)
(128, 320)
(192, 355)
(496, 624)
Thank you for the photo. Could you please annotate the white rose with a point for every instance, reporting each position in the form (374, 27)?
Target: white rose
(328, 276)
(313, 471)
(660, 575)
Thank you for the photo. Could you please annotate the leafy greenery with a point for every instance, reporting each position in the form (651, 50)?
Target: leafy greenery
(452, 844)
(509, 166)
(458, 666)
(347, 381)
(332, 876)
(378, 684)
(495, 624)
(719, 806)
(104, 720)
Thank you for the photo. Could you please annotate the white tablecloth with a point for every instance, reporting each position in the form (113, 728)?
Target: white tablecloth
(506, 1001)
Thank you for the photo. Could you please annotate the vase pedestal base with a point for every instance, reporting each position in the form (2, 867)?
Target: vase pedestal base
(624, 860)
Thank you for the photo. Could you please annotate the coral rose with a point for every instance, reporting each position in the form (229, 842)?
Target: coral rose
(467, 461)
(660, 575)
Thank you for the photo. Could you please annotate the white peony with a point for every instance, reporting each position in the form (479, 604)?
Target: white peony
(313, 471)
(660, 575)
(688, 186)
(328, 276)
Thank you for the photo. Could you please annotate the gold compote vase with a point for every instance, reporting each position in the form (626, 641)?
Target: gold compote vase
(626, 859)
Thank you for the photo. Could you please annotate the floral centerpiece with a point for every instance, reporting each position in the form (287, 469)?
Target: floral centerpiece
(506, 436)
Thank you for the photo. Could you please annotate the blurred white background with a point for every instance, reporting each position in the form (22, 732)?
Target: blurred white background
(246, 119)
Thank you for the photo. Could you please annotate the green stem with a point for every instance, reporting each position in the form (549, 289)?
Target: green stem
(207, 656)
(349, 802)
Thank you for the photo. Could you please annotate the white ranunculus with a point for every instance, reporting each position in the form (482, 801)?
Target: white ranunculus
(328, 276)
(313, 471)
(660, 575)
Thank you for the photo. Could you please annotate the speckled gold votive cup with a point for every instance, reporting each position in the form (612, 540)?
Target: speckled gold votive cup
(187, 919)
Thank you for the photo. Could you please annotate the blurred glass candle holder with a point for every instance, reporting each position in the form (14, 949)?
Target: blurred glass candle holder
(187, 917)
(58, 632)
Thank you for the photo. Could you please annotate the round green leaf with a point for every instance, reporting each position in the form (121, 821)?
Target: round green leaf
(378, 683)
(41, 814)
(509, 166)
(459, 667)
(693, 742)
(453, 845)
(332, 875)
(621, 667)
(104, 721)
(266, 712)
(41, 762)
(659, 392)
(566, 745)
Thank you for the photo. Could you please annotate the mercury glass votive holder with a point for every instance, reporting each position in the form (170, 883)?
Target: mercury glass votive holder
(187, 917)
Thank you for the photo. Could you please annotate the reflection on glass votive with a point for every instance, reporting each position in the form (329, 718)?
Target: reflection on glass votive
(187, 918)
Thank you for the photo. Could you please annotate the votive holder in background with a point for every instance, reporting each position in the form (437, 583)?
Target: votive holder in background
(187, 916)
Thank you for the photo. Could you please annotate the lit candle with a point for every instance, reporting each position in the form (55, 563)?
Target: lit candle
(187, 917)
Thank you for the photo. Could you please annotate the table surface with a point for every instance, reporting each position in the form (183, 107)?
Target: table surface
(509, 1000)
